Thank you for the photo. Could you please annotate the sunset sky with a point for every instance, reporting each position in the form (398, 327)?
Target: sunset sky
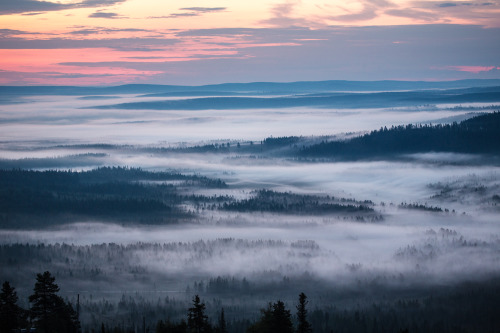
(110, 42)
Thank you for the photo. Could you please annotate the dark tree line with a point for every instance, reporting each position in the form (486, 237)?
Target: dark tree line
(470, 308)
(480, 134)
(274, 319)
(48, 312)
(31, 198)
(28, 197)
(290, 203)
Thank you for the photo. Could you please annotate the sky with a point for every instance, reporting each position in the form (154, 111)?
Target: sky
(193, 42)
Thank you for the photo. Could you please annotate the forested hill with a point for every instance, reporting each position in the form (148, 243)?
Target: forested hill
(479, 135)
(40, 198)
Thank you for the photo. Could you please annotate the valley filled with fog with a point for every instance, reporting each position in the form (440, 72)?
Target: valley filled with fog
(228, 202)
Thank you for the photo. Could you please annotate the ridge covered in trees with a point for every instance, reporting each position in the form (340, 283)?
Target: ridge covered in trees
(291, 203)
(28, 197)
(477, 135)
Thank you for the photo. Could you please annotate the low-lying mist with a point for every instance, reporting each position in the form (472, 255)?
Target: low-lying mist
(416, 222)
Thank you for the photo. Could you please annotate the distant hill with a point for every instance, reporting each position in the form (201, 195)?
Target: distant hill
(323, 100)
(479, 135)
(263, 88)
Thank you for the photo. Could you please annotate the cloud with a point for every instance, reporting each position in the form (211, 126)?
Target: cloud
(107, 15)
(204, 9)
(102, 30)
(32, 13)
(415, 14)
(230, 54)
(450, 12)
(370, 9)
(217, 32)
(468, 4)
(473, 69)
(283, 15)
(26, 6)
(10, 32)
(447, 4)
(191, 11)
(122, 44)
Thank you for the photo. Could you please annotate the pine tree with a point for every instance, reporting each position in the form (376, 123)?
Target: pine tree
(10, 313)
(45, 302)
(222, 326)
(197, 320)
(49, 311)
(282, 322)
(303, 325)
(275, 319)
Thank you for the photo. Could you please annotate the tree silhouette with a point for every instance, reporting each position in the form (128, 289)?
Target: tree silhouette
(197, 320)
(275, 319)
(303, 325)
(10, 313)
(49, 311)
(282, 322)
(170, 327)
(222, 326)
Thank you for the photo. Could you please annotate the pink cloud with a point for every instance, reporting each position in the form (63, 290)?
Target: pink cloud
(472, 69)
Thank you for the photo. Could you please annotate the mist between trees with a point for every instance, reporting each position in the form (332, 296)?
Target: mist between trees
(468, 307)
(390, 231)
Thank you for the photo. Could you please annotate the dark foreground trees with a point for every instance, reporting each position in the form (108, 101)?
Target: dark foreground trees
(11, 315)
(303, 325)
(274, 319)
(48, 313)
(197, 319)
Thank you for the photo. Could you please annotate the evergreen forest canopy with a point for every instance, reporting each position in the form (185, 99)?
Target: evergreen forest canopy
(32, 198)
(452, 311)
(478, 135)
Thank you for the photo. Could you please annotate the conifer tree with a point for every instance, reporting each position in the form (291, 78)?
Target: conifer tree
(49, 311)
(222, 326)
(10, 313)
(303, 325)
(275, 319)
(197, 320)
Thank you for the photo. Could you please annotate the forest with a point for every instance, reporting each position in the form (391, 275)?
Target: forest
(466, 308)
(478, 135)
(31, 198)
(352, 230)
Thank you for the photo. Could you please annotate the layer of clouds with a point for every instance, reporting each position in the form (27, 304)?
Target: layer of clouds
(424, 52)
(191, 11)
(146, 44)
(24, 6)
(370, 9)
(107, 15)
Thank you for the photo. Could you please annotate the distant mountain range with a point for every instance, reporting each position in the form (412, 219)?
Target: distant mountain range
(248, 88)
(322, 100)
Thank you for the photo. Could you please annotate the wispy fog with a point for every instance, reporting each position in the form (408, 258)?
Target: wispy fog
(433, 217)
(329, 251)
(69, 119)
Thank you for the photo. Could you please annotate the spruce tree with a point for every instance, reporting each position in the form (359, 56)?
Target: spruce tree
(303, 325)
(197, 320)
(50, 313)
(282, 319)
(10, 313)
(222, 326)
(275, 319)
